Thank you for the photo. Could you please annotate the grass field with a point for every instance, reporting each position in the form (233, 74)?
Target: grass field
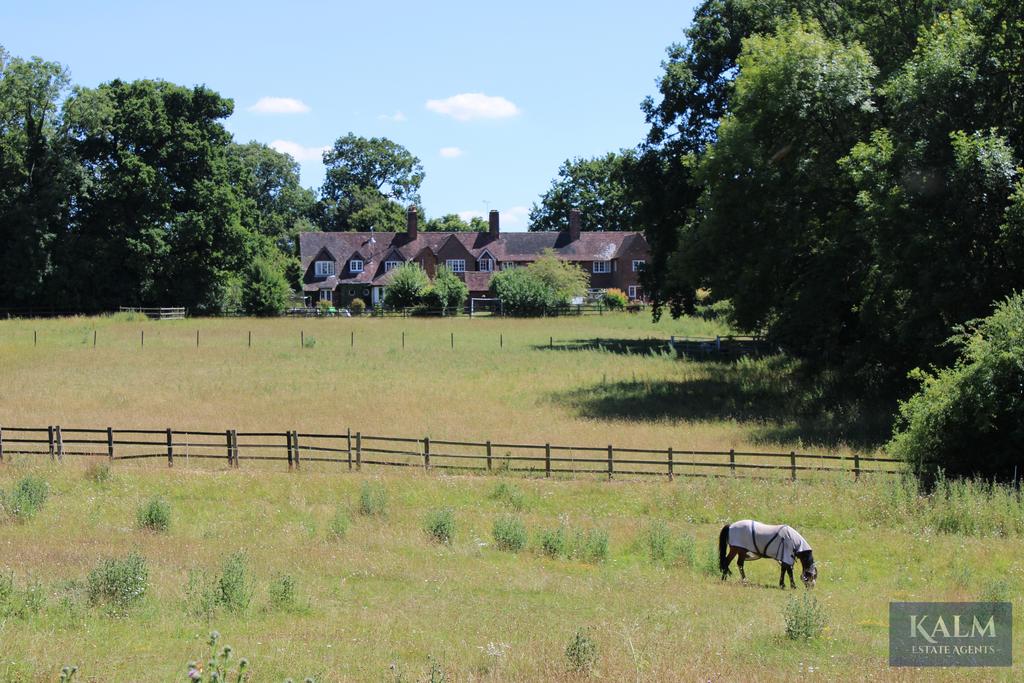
(384, 600)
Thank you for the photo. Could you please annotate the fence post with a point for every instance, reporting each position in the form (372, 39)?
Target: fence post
(732, 461)
(1, 444)
(610, 462)
(234, 446)
(488, 452)
(227, 441)
(170, 448)
(295, 446)
(197, 339)
(359, 451)
(856, 465)
(671, 465)
(453, 340)
(547, 460)
(49, 431)
(792, 465)
(110, 443)
(348, 445)
(288, 440)
(302, 339)
(60, 444)
(352, 344)
(426, 452)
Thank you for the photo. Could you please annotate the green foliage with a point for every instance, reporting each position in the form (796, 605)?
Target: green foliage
(546, 283)
(20, 603)
(98, 472)
(67, 673)
(26, 498)
(235, 588)
(440, 525)
(509, 533)
(357, 306)
(805, 617)
(118, 583)
(266, 290)
(600, 188)
(448, 292)
(283, 593)
(663, 548)
(563, 279)
(452, 222)
(553, 542)
(202, 595)
(510, 495)
(373, 500)
(219, 667)
(974, 407)
(590, 545)
(581, 652)
(337, 528)
(155, 515)
(406, 286)
(614, 299)
(367, 181)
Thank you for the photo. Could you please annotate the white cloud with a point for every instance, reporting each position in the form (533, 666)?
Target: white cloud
(299, 152)
(397, 117)
(279, 105)
(450, 152)
(466, 215)
(474, 105)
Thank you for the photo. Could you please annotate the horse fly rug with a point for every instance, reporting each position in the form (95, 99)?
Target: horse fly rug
(779, 542)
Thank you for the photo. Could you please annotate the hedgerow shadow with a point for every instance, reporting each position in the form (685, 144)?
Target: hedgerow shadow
(785, 405)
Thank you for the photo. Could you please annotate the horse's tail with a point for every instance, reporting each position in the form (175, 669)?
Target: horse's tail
(723, 541)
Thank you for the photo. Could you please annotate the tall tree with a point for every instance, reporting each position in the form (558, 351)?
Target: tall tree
(368, 183)
(37, 176)
(452, 222)
(600, 188)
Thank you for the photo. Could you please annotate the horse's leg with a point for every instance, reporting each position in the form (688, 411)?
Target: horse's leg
(792, 583)
(739, 563)
(728, 561)
(782, 575)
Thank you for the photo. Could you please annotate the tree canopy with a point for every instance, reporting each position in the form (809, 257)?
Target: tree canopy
(600, 188)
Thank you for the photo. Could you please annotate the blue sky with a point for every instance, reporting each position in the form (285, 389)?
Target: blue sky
(492, 99)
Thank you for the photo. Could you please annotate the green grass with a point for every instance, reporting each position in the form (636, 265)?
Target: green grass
(296, 600)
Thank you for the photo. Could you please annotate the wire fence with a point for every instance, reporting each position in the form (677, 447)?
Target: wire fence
(354, 450)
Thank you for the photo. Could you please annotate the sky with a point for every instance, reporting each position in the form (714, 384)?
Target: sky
(492, 97)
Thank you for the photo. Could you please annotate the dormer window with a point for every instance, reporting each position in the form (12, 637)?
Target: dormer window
(390, 265)
(324, 268)
(355, 266)
(485, 265)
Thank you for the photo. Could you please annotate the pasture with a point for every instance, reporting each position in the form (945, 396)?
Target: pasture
(323, 590)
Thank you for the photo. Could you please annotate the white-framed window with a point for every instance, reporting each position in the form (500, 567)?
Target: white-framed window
(485, 265)
(355, 266)
(508, 265)
(324, 268)
(602, 266)
(326, 294)
(634, 291)
(638, 266)
(456, 265)
(389, 265)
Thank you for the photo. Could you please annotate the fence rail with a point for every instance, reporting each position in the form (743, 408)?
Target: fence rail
(355, 449)
(165, 313)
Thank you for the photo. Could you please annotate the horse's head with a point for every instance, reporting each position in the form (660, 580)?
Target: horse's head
(810, 573)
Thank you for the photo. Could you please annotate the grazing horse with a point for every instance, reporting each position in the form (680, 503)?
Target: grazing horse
(750, 540)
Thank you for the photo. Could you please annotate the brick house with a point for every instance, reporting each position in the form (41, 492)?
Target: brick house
(340, 266)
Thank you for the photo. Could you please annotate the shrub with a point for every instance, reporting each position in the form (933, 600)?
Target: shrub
(510, 495)
(20, 603)
(805, 618)
(266, 289)
(283, 593)
(448, 291)
(614, 299)
(509, 533)
(591, 546)
(27, 498)
(323, 306)
(234, 588)
(357, 307)
(659, 542)
(406, 287)
(118, 583)
(521, 293)
(202, 594)
(975, 406)
(98, 472)
(553, 541)
(440, 525)
(581, 652)
(996, 590)
(155, 515)
(373, 500)
(337, 528)
(686, 550)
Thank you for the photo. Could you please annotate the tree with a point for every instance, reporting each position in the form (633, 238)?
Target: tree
(447, 292)
(544, 284)
(406, 286)
(968, 419)
(279, 207)
(160, 218)
(265, 291)
(600, 188)
(368, 183)
(37, 177)
(452, 222)
(566, 281)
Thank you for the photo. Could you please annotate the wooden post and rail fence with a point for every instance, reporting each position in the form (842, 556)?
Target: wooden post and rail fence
(355, 449)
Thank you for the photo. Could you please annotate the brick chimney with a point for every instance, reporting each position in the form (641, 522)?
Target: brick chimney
(574, 225)
(492, 219)
(412, 222)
